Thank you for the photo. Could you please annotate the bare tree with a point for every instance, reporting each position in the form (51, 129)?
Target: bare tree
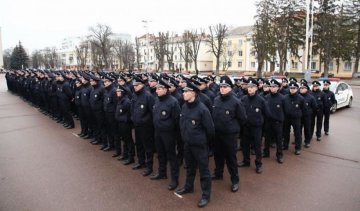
(51, 58)
(118, 46)
(184, 45)
(159, 49)
(100, 35)
(37, 59)
(82, 54)
(7, 58)
(227, 56)
(196, 40)
(216, 41)
(169, 50)
(137, 52)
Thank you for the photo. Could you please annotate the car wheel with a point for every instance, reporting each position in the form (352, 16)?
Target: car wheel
(350, 102)
(333, 108)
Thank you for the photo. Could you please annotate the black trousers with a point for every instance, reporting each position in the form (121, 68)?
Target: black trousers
(179, 146)
(144, 136)
(126, 137)
(99, 126)
(251, 137)
(82, 119)
(197, 156)
(296, 124)
(306, 125)
(318, 118)
(225, 148)
(88, 120)
(110, 129)
(274, 134)
(326, 118)
(65, 111)
(165, 143)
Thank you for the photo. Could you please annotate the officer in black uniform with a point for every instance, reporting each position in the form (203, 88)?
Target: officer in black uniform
(85, 106)
(274, 121)
(77, 101)
(110, 102)
(309, 109)
(196, 125)
(65, 96)
(294, 109)
(141, 116)
(327, 106)
(256, 110)
(166, 115)
(284, 86)
(227, 110)
(319, 114)
(123, 118)
(96, 101)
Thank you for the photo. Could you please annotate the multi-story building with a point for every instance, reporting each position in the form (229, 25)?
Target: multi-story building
(149, 61)
(239, 57)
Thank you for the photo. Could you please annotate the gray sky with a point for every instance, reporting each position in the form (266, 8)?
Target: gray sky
(42, 23)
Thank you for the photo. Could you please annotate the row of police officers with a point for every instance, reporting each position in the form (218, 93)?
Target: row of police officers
(181, 118)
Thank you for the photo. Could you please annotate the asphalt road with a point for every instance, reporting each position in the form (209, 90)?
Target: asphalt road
(46, 167)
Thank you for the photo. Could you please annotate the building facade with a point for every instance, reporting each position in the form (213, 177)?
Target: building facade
(1, 53)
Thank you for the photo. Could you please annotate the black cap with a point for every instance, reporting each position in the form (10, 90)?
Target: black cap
(243, 80)
(292, 79)
(162, 84)
(316, 83)
(226, 81)
(293, 84)
(305, 85)
(190, 86)
(107, 77)
(284, 80)
(120, 88)
(121, 77)
(95, 78)
(137, 80)
(266, 82)
(326, 82)
(153, 77)
(252, 82)
(173, 82)
(274, 82)
(303, 81)
(260, 80)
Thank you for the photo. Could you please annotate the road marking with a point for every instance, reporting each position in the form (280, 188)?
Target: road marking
(180, 196)
(75, 135)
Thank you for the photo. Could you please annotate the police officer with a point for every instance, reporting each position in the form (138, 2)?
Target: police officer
(327, 106)
(256, 110)
(309, 109)
(110, 102)
(141, 116)
(284, 86)
(319, 114)
(195, 126)
(85, 106)
(65, 96)
(229, 111)
(166, 115)
(77, 102)
(123, 118)
(96, 101)
(294, 109)
(274, 121)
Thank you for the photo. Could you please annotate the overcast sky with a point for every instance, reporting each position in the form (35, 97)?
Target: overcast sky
(42, 23)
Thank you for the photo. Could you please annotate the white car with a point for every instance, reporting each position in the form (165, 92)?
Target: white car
(343, 93)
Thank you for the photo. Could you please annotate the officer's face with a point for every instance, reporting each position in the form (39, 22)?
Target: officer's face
(303, 90)
(92, 82)
(78, 84)
(326, 87)
(274, 89)
(182, 84)
(138, 87)
(118, 93)
(252, 90)
(224, 90)
(153, 84)
(121, 82)
(293, 90)
(316, 87)
(172, 89)
(161, 91)
(266, 88)
(189, 96)
(203, 86)
(107, 83)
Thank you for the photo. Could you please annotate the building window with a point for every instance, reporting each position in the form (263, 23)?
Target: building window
(229, 63)
(240, 43)
(229, 53)
(347, 66)
(229, 43)
(151, 50)
(190, 65)
(252, 64)
(150, 58)
(175, 48)
(313, 65)
(239, 64)
(252, 52)
(175, 57)
(294, 65)
(240, 53)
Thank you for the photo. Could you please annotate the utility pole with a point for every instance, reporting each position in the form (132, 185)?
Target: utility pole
(309, 37)
(146, 57)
